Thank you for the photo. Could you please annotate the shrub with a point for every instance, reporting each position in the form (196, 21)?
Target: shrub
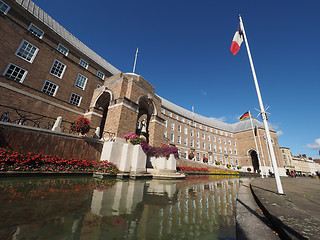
(80, 125)
(239, 167)
(191, 156)
(249, 169)
(228, 165)
(217, 163)
(205, 160)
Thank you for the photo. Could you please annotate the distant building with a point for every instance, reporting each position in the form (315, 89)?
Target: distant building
(49, 72)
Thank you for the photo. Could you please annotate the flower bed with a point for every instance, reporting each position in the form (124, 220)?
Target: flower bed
(33, 162)
(164, 150)
(192, 169)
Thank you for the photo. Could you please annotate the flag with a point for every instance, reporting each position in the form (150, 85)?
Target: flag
(244, 116)
(236, 41)
(255, 131)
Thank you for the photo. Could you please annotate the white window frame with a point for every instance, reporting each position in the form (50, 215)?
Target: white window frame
(177, 117)
(191, 133)
(16, 66)
(208, 137)
(179, 128)
(165, 134)
(101, 76)
(165, 123)
(172, 137)
(170, 114)
(32, 27)
(78, 81)
(179, 139)
(204, 145)
(203, 136)
(215, 148)
(185, 130)
(34, 54)
(214, 139)
(209, 146)
(163, 111)
(198, 144)
(79, 100)
(185, 141)
(7, 9)
(172, 125)
(63, 49)
(55, 91)
(64, 69)
(198, 134)
(83, 63)
(192, 143)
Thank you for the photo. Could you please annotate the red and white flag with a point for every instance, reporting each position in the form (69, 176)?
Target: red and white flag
(236, 42)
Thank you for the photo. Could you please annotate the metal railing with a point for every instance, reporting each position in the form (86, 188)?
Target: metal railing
(26, 118)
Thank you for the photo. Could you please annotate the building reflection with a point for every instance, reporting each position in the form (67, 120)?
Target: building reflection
(196, 207)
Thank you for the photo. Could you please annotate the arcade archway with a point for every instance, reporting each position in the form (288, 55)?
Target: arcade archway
(254, 160)
(102, 103)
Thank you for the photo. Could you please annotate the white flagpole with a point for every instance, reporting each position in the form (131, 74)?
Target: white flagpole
(263, 114)
(264, 163)
(135, 61)
(255, 141)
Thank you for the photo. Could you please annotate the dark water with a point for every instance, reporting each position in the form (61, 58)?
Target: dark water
(86, 208)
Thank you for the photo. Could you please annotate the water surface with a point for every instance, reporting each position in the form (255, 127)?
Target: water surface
(200, 207)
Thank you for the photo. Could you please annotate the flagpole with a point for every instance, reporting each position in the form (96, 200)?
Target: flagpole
(135, 61)
(264, 163)
(263, 114)
(255, 141)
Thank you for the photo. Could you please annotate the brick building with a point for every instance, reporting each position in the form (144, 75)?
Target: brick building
(48, 71)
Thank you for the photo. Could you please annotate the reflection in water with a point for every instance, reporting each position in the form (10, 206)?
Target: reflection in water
(72, 208)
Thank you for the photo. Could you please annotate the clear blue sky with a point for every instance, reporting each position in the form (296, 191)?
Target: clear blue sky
(184, 53)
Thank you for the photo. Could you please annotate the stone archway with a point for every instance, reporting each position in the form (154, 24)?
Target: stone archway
(102, 103)
(254, 160)
(146, 108)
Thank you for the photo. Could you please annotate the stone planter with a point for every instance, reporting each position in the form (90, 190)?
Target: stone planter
(162, 163)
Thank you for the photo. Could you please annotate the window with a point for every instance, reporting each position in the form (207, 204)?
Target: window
(225, 150)
(198, 134)
(208, 137)
(98, 86)
(226, 134)
(235, 151)
(237, 162)
(163, 111)
(4, 7)
(214, 148)
(172, 137)
(81, 81)
(215, 158)
(230, 150)
(191, 143)
(198, 156)
(36, 31)
(57, 68)
(211, 130)
(63, 49)
(179, 128)
(216, 131)
(234, 143)
(204, 145)
(27, 51)
(203, 136)
(200, 127)
(221, 159)
(224, 141)
(209, 147)
(165, 134)
(75, 99)
(15, 73)
(221, 133)
(183, 120)
(219, 140)
(172, 125)
(189, 122)
(214, 138)
(49, 88)
(165, 123)
(229, 142)
(185, 141)
(179, 139)
(177, 117)
(220, 149)
(83, 63)
(185, 130)
(205, 128)
(170, 114)
(198, 144)
(100, 74)
(191, 132)
(230, 134)
(185, 153)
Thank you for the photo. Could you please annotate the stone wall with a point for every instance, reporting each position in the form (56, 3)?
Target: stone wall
(194, 164)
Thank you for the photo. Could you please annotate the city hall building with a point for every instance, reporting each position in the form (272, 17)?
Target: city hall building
(48, 72)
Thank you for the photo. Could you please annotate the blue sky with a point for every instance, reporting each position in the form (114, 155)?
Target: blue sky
(184, 53)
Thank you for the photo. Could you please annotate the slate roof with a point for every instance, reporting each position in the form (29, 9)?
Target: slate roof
(211, 122)
(43, 17)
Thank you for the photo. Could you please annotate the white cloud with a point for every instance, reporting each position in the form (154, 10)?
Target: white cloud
(279, 133)
(220, 119)
(204, 93)
(315, 145)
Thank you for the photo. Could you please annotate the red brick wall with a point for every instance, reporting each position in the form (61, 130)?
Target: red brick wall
(40, 141)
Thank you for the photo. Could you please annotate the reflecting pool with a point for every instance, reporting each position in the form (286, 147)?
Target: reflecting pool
(200, 207)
